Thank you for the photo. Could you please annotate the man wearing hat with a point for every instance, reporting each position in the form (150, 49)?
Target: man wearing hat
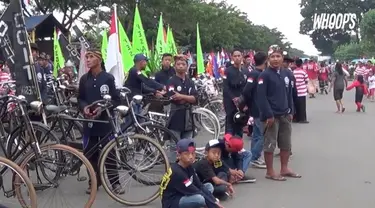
(34, 50)
(180, 186)
(140, 84)
(211, 169)
(42, 70)
(92, 87)
(275, 101)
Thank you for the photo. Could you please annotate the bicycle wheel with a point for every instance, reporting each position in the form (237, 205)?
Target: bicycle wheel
(19, 137)
(217, 107)
(19, 180)
(69, 162)
(124, 152)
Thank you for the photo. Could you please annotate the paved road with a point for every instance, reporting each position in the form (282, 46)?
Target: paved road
(334, 153)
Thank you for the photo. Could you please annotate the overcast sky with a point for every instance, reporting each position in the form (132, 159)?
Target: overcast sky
(281, 14)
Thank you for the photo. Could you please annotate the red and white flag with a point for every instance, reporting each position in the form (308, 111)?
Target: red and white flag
(113, 63)
(82, 64)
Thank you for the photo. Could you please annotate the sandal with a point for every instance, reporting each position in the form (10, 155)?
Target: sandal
(276, 178)
(291, 175)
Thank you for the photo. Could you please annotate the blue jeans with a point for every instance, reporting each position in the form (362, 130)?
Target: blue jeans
(246, 159)
(196, 200)
(257, 140)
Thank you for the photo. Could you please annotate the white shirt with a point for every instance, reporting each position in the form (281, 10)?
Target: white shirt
(371, 82)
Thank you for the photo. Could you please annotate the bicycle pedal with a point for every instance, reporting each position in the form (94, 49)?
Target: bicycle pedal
(42, 187)
(9, 193)
(81, 178)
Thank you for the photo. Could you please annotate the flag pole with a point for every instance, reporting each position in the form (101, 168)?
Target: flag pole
(118, 41)
(32, 72)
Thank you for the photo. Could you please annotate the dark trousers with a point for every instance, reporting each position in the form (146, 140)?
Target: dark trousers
(301, 109)
(220, 190)
(231, 127)
(110, 163)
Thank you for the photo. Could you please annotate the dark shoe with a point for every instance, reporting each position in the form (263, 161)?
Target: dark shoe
(304, 122)
(117, 189)
(88, 191)
(363, 108)
(247, 179)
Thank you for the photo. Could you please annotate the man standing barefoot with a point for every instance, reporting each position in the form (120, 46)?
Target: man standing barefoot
(276, 108)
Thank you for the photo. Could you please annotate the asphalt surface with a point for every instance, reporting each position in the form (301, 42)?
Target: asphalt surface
(334, 154)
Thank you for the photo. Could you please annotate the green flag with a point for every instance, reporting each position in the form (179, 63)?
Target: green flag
(160, 44)
(58, 58)
(139, 37)
(126, 49)
(171, 44)
(200, 61)
(104, 44)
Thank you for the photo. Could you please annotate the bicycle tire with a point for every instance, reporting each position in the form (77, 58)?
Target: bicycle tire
(221, 122)
(106, 150)
(170, 136)
(37, 126)
(76, 153)
(21, 175)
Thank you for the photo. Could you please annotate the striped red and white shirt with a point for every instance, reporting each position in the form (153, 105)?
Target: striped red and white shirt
(301, 81)
(360, 70)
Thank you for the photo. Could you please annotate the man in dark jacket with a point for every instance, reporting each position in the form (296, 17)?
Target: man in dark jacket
(275, 101)
(233, 83)
(250, 98)
(42, 70)
(166, 71)
(140, 84)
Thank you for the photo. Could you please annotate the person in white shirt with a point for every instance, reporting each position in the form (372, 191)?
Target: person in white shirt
(371, 83)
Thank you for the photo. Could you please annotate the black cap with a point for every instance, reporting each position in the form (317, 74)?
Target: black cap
(185, 145)
(43, 56)
(34, 46)
(140, 57)
(213, 143)
(288, 59)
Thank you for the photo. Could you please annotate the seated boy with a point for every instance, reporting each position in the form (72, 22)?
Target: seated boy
(180, 187)
(236, 158)
(211, 170)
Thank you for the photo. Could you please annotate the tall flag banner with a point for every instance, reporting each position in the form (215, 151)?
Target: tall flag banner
(139, 37)
(81, 37)
(82, 64)
(200, 58)
(68, 51)
(126, 49)
(58, 58)
(215, 65)
(113, 63)
(104, 44)
(160, 44)
(23, 70)
(171, 44)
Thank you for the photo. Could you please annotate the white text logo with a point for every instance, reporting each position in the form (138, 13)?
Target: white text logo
(334, 21)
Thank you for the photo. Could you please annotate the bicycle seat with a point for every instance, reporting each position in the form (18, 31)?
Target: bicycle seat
(72, 87)
(55, 108)
(73, 100)
(124, 89)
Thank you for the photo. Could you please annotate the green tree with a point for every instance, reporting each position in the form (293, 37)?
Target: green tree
(348, 52)
(326, 41)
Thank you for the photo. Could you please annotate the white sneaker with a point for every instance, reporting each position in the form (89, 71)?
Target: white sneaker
(259, 164)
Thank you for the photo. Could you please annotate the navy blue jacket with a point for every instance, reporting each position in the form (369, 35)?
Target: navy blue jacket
(41, 75)
(91, 89)
(140, 84)
(274, 93)
(163, 75)
(233, 83)
(250, 92)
